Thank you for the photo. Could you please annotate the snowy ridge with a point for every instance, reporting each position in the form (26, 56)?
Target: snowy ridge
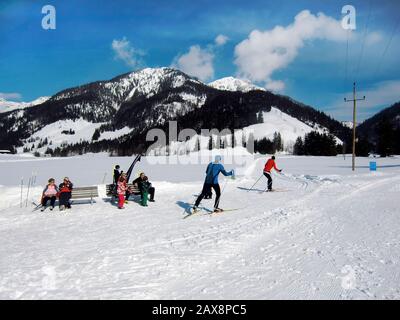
(234, 84)
(7, 106)
(67, 132)
(146, 82)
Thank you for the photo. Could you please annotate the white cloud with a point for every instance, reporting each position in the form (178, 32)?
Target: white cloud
(382, 95)
(197, 62)
(221, 39)
(275, 85)
(373, 38)
(10, 96)
(125, 52)
(265, 52)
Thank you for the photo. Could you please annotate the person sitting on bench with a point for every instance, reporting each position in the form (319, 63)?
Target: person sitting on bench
(65, 194)
(137, 183)
(50, 192)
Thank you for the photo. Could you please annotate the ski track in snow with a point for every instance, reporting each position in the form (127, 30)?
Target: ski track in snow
(331, 236)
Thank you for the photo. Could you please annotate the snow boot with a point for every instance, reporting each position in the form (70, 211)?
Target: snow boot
(216, 210)
(62, 208)
(194, 210)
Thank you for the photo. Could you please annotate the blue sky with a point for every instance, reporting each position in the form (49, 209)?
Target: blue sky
(36, 62)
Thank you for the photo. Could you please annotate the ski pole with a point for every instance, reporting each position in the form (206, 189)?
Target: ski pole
(255, 183)
(265, 190)
(104, 177)
(226, 182)
(27, 194)
(34, 179)
(22, 186)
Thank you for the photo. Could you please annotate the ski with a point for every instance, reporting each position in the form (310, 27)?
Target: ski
(275, 190)
(37, 206)
(210, 212)
(197, 212)
(192, 213)
(225, 210)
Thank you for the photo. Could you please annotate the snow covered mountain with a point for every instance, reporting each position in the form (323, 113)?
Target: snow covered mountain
(234, 84)
(115, 115)
(7, 106)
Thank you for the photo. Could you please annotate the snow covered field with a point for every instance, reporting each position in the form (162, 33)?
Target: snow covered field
(332, 234)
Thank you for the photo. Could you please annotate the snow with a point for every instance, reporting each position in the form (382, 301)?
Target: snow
(348, 124)
(289, 127)
(332, 235)
(234, 84)
(147, 82)
(194, 99)
(109, 135)
(277, 121)
(53, 132)
(6, 106)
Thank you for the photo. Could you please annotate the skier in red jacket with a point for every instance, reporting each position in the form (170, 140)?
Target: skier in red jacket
(267, 171)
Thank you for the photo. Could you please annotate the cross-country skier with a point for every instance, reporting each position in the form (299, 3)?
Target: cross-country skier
(270, 164)
(211, 181)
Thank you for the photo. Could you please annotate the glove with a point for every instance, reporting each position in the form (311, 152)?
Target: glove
(280, 170)
(233, 174)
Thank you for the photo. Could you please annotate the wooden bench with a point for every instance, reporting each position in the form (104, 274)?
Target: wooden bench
(110, 189)
(85, 193)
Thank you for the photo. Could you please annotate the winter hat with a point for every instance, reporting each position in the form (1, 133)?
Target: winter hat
(117, 166)
(218, 158)
(51, 180)
(273, 157)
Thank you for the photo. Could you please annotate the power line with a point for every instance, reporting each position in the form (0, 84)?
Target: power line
(363, 41)
(347, 59)
(387, 47)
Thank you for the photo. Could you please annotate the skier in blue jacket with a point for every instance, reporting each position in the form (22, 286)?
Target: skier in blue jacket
(211, 181)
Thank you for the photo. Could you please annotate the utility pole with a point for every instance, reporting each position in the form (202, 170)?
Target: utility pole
(354, 100)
